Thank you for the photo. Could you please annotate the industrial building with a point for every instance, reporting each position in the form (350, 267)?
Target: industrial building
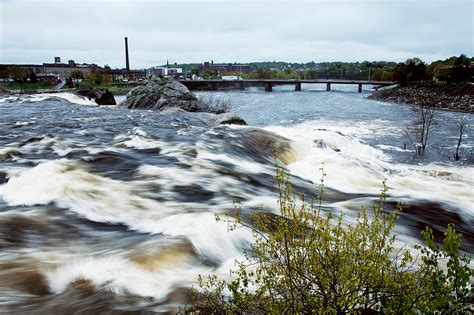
(223, 68)
(159, 71)
(58, 69)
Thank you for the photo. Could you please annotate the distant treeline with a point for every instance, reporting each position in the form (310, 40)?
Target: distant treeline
(453, 69)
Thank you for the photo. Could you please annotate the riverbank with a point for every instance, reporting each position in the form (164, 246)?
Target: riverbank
(20, 86)
(116, 88)
(458, 97)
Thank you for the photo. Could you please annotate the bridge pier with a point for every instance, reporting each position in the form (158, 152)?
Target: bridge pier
(328, 86)
(298, 86)
(268, 87)
(359, 89)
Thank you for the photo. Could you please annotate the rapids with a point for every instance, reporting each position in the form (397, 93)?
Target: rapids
(104, 208)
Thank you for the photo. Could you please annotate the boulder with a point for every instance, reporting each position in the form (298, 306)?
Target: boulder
(159, 95)
(100, 96)
(163, 96)
(229, 119)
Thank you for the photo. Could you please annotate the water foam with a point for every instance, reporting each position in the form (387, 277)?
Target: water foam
(356, 167)
(139, 139)
(69, 185)
(122, 275)
(67, 96)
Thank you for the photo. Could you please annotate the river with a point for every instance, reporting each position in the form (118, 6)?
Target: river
(104, 208)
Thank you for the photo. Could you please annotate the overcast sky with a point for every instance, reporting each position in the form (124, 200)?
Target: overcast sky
(239, 31)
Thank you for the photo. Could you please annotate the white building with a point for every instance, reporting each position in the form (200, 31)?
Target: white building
(163, 72)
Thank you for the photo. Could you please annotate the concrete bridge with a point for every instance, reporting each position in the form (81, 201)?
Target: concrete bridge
(268, 84)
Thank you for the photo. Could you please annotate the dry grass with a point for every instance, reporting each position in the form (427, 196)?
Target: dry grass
(216, 105)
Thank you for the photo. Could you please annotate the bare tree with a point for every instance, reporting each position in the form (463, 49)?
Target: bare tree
(419, 132)
(462, 130)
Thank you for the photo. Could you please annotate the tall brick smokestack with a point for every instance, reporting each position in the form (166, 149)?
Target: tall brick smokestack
(126, 55)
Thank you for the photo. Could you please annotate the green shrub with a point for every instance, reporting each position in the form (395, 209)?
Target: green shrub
(305, 261)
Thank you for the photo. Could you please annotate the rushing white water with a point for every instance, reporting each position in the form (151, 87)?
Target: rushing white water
(355, 167)
(124, 202)
(69, 97)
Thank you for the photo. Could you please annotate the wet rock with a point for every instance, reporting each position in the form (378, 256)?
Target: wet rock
(421, 213)
(34, 283)
(100, 96)
(9, 155)
(437, 96)
(263, 146)
(159, 95)
(3, 178)
(170, 97)
(25, 278)
(229, 119)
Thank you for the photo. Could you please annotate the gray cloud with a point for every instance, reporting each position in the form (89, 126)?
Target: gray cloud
(194, 31)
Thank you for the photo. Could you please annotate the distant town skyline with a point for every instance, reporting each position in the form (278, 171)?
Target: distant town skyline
(243, 31)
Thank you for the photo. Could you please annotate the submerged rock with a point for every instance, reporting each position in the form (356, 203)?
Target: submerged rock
(163, 96)
(100, 96)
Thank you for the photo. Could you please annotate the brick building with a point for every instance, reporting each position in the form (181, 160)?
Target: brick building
(223, 68)
(63, 71)
(58, 69)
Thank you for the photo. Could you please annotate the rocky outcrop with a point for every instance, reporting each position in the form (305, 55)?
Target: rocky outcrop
(159, 95)
(165, 95)
(458, 98)
(100, 96)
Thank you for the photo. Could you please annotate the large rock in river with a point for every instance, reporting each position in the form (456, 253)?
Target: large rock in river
(158, 95)
(100, 96)
(170, 94)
